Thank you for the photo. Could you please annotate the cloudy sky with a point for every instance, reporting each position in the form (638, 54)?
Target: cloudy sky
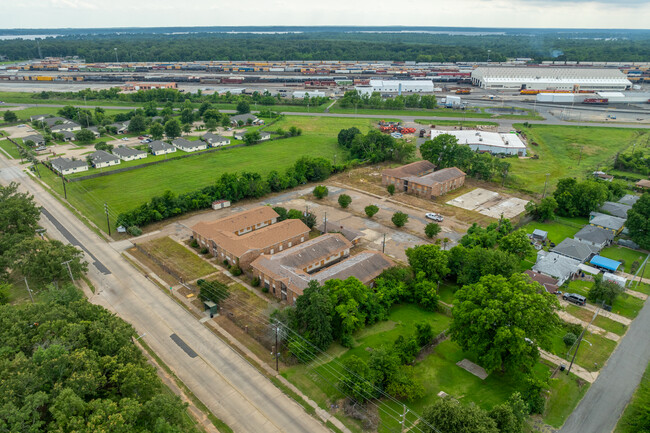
(466, 13)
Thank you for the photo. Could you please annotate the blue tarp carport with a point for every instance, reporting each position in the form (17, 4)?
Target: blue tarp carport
(604, 262)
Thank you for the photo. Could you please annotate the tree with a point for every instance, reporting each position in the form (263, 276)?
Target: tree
(5, 291)
(371, 210)
(344, 200)
(399, 219)
(516, 243)
(187, 115)
(391, 189)
(84, 136)
(156, 130)
(243, 107)
(172, 129)
(138, 124)
(313, 315)
(211, 125)
(542, 211)
(579, 198)
(252, 137)
(604, 291)
(503, 321)
(282, 212)
(510, 417)
(431, 230)
(19, 218)
(42, 261)
(186, 128)
(358, 380)
(423, 333)
(638, 221)
(569, 339)
(320, 191)
(10, 116)
(450, 416)
(346, 136)
(430, 260)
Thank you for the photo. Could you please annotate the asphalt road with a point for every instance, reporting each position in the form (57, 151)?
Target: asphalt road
(233, 389)
(602, 406)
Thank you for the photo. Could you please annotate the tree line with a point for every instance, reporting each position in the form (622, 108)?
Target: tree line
(353, 98)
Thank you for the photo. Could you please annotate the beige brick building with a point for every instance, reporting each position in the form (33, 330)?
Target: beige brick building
(396, 176)
(419, 178)
(242, 237)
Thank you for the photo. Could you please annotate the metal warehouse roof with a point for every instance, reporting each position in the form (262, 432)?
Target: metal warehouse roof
(606, 263)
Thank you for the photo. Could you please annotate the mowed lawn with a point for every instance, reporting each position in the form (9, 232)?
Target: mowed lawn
(557, 230)
(125, 191)
(625, 255)
(559, 149)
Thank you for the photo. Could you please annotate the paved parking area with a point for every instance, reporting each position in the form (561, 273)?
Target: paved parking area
(490, 203)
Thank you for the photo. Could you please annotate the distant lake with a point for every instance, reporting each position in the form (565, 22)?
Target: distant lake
(27, 37)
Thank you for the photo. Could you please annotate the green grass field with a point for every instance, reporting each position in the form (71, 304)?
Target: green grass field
(593, 353)
(601, 321)
(558, 229)
(465, 123)
(638, 406)
(565, 393)
(125, 191)
(625, 255)
(10, 148)
(624, 305)
(559, 152)
(178, 258)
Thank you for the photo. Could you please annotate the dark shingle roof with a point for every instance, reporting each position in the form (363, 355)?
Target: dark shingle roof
(444, 175)
(574, 249)
(594, 234)
(417, 168)
(61, 163)
(616, 209)
(160, 145)
(102, 156)
(125, 152)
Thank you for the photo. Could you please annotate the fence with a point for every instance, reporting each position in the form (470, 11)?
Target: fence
(158, 262)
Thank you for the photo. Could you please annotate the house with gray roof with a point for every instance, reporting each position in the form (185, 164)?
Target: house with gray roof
(128, 154)
(158, 147)
(49, 121)
(68, 126)
(68, 166)
(121, 127)
(101, 159)
(629, 199)
(575, 249)
(557, 266)
(595, 237)
(36, 138)
(189, 146)
(351, 235)
(215, 140)
(254, 120)
(94, 130)
(608, 222)
(68, 136)
(615, 209)
(263, 135)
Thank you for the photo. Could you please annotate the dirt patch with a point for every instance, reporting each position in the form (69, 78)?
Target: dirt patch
(142, 258)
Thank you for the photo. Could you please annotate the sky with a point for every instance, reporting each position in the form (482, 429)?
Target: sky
(620, 14)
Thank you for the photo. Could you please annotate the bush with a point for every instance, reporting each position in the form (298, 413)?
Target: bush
(205, 250)
(431, 230)
(255, 282)
(423, 333)
(399, 219)
(194, 243)
(235, 270)
(320, 191)
(634, 267)
(574, 328)
(225, 263)
(345, 200)
(265, 289)
(391, 189)
(569, 339)
(371, 210)
(134, 230)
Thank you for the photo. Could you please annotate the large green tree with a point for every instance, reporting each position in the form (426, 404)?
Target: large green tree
(516, 243)
(430, 260)
(579, 198)
(172, 129)
(137, 124)
(313, 315)
(638, 221)
(19, 217)
(503, 321)
(449, 416)
(43, 261)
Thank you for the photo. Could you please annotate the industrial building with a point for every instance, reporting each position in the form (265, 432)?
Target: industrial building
(481, 141)
(584, 79)
(396, 86)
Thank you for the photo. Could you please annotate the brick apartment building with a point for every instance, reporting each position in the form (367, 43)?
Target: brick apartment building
(419, 178)
(242, 237)
(326, 257)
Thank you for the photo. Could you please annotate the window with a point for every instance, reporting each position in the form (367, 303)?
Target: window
(289, 245)
(272, 250)
(280, 249)
(302, 239)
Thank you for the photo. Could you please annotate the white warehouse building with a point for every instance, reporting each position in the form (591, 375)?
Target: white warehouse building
(481, 141)
(514, 78)
(396, 86)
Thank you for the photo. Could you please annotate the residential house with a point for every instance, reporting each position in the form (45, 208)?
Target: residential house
(643, 184)
(68, 126)
(242, 237)
(548, 283)
(36, 138)
(605, 263)
(46, 120)
(616, 209)
(128, 154)
(214, 140)
(605, 221)
(575, 249)
(254, 120)
(101, 159)
(629, 199)
(557, 266)
(68, 166)
(326, 257)
(353, 236)
(263, 135)
(396, 176)
(189, 146)
(595, 236)
(94, 130)
(121, 127)
(158, 147)
(601, 175)
(68, 136)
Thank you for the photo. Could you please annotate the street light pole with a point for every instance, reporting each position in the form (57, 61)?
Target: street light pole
(582, 334)
(108, 221)
(65, 192)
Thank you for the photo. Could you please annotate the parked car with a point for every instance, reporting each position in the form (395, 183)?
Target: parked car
(575, 298)
(142, 137)
(434, 216)
(40, 148)
(125, 139)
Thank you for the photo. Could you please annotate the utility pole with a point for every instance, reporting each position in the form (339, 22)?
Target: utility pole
(116, 61)
(404, 411)
(69, 270)
(383, 244)
(545, 184)
(277, 350)
(29, 290)
(580, 338)
(65, 192)
(108, 221)
(325, 231)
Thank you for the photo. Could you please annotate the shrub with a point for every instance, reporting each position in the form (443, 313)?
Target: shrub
(345, 200)
(225, 263)
(634, 266)
(255, 282)
(423, 333)
(320, 191)
(371, 210)
(235, 270)
(265, 289)
(569, 339)
(194, 243)
(431, 230)
(391, 189)
(134, 230)
(399, 219)
(205, 250)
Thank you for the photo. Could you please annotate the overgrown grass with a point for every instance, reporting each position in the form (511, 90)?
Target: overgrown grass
(10, 148)
(637, 407)
(565, 393)
(557, 230)
(624, 304)
(594, 350)
(176, 257)
(601, 321)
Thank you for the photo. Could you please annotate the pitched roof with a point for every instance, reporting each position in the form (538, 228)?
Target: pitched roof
(549, 283)
(607, 221)
(604, 262)
(61, 163)
(444, 175)
(243, 117)
(629, 199)
(186, 144)
(36, 138)
(556, 265)
(574, 249)
(160, 145)
(594, 234)
(67, 125)
(616, 209)
(311, 251)
(102, 156)
(261, 238)
(337, 227)
(416, 168)
(67, 134)
(238, 221)
(125, 152)
(643, 183)
(208, 136)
